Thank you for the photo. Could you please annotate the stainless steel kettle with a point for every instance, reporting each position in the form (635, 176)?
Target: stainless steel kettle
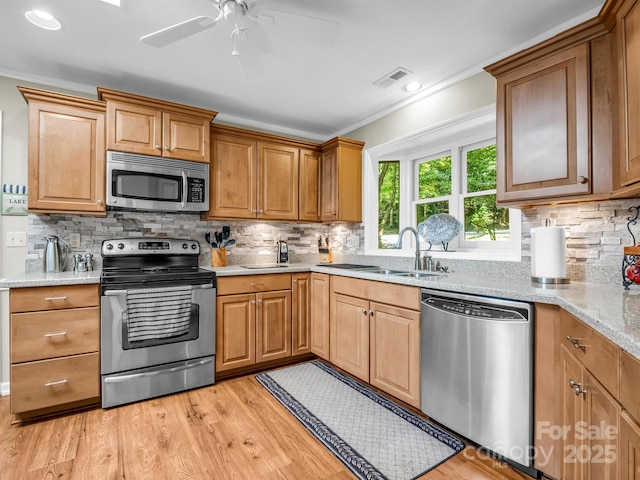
(56, 251)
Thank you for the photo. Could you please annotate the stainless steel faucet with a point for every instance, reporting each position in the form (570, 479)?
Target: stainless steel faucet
(417, 239)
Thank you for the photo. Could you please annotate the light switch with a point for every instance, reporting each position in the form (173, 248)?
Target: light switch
(74, 240)
(16, 239)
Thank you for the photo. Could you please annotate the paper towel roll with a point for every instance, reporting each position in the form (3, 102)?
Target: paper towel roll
(548, 254)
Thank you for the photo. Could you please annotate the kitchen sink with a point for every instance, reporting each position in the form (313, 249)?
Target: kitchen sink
(417, 274)
(383, 271)
(257, 266)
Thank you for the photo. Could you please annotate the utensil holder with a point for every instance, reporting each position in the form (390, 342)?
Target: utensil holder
(218, 257)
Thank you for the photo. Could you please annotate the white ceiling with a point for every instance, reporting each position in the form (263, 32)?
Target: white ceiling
(302, 88)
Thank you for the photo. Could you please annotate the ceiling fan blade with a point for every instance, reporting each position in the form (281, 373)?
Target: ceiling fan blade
(312, 29)
(171, 34)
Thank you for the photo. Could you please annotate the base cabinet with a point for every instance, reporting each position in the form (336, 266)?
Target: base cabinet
(54, 348)
(375, 341)
(629, 452)
(319, 316)
(261, 318)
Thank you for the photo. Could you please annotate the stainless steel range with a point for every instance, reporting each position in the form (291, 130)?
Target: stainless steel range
(158, 319)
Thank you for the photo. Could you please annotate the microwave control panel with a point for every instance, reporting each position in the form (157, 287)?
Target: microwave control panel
(195, 190)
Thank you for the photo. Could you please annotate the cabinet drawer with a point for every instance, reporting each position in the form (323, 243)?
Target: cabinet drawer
(253, 283)
(40, 335)
(48, 383)
(32, 299)
(598, 354)
(630, 384)
(389, 293)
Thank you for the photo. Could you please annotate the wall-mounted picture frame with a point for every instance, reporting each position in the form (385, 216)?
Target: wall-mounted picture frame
(14, 199)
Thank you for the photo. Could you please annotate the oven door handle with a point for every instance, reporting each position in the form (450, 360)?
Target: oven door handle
(161, 371)
(115, 293)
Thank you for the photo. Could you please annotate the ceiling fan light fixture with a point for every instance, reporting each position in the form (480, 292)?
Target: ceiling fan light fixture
(413, 86)
(43, 19)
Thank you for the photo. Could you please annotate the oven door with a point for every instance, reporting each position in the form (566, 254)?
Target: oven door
(120, 351)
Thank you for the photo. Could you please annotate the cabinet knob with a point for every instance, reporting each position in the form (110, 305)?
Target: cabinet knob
(166, 147)
(100, 202)
(364, 311)
(573, 383)
(582, 179)
(371, 312)
(577, 391)
(260, 301)
(158, 146)
(333, 213)
(253, 302)
(576, 342)
(295, 280)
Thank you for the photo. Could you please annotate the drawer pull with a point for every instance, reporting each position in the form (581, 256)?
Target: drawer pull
(576, 342)
(59, 382)
(58, 334)
(256, 284)
(52, 299)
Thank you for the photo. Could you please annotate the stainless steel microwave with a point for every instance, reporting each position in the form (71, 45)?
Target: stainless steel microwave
(143, 182)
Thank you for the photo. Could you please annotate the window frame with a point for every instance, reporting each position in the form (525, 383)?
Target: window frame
(448, 138)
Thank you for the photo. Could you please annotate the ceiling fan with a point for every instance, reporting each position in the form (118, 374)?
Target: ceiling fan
(240, 14)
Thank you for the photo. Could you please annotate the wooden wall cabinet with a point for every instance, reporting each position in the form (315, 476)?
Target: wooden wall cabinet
(148, 126)
(54, 349)
(66, 153)
(310, 185)
(341, 181)
(628, 30)
(261, 318)
(374, 334)
(257, 176)
(320, 311)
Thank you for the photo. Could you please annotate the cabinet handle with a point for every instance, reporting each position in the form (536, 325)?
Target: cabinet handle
(364, 311)
(260, 211)
(100, 202)
(58, 334)
(51, 299)
(572, 383)
(333, 213)
(576, 342)
(371, 312)
(256, 284)
(59, 382)
(582, 179)
(577, 390)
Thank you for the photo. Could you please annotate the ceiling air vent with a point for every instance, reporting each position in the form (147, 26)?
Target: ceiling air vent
(391, 78)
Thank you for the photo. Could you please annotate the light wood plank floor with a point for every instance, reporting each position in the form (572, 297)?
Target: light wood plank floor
(234, 429)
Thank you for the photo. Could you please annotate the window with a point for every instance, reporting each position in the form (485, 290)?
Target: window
(450, 171)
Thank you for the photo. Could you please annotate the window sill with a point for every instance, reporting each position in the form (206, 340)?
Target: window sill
(457, 255)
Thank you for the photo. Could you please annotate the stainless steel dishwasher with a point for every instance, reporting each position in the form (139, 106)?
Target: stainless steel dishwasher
(477, 371)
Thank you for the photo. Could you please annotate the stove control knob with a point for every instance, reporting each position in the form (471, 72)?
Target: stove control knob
(109, 246)
(120, 246)
(193, 246)
(184, 246)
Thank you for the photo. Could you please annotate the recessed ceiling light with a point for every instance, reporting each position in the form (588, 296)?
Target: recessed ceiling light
(43, 19)
(413, 86)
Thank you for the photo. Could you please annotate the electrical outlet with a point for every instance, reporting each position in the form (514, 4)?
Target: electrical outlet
(74, 240)
(16, 239)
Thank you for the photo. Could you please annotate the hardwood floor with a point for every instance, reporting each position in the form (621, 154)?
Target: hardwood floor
(234, 429)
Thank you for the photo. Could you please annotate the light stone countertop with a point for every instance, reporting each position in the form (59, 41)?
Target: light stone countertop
(609, 309)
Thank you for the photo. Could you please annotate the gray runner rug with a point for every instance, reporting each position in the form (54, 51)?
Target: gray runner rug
(374, 437)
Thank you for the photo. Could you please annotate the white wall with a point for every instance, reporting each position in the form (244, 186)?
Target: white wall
(464, 97)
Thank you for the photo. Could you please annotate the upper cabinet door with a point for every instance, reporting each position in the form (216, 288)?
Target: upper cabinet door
(543, 128)
(186, 137)
(628, 25)
(134, 128)
(66, 155)
(233, 177)
(329, 182)
(310, 175)
(278, 184)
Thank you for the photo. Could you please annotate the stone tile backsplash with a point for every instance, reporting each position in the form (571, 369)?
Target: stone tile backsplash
(596, 235)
